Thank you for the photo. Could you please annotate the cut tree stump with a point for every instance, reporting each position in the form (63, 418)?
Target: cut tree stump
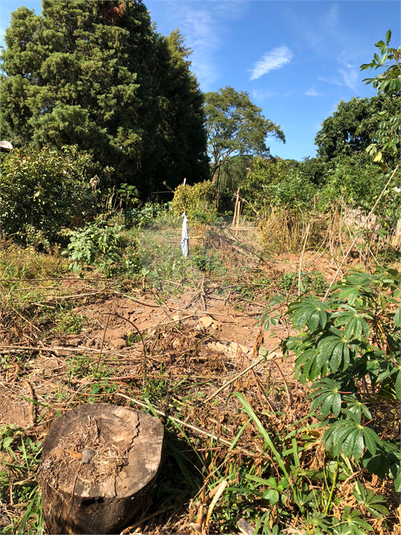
(99, 467)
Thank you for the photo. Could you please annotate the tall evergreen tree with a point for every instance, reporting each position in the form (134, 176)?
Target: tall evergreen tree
(98, 75)
(183, 131)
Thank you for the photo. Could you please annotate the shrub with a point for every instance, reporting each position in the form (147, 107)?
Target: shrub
(358, 182)
(102, 246)
(18, 262)
(260, 177)
(198, 201)
(44, 190)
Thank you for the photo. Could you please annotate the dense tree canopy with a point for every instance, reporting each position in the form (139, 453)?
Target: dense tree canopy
(97, 75)
(353, 126)
(236, 126)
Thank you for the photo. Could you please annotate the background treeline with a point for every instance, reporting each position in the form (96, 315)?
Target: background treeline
(99, 76)
(105, 115)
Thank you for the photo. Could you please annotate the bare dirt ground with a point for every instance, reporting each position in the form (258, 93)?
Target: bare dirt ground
(181, 353)
(223, 330)
(111, 321)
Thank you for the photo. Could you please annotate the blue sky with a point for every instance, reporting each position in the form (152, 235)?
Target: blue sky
(296, 59)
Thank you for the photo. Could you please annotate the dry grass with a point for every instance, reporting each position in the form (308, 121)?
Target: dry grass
(17, 262)
(175, 372)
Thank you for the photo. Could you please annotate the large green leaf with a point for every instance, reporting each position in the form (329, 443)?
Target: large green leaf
(308, 312)
(327, 396)
(351, 438)
(355, 322)
(336, 351)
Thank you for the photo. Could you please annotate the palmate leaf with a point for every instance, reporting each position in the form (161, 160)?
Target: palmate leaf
(309, 312)
(351, 524)
(350, 294)
(327, 396)
(351, 438)
(335, 349)
(372, 502)
(355, 408)
(303, 364)
(355, 323)
(331, 352)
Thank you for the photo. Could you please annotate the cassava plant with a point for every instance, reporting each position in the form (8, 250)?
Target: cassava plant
(103, 246)
(348, 348)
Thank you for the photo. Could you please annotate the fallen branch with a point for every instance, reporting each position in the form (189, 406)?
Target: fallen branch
(261, 359)
(192, 427)
(20, 349)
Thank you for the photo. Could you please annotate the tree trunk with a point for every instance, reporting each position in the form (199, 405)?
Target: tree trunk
(99, 466)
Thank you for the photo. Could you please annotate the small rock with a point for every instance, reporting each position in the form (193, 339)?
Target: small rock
(176, 344)
(206, 321)
(73, 341)
(118, 343)
(87, 455)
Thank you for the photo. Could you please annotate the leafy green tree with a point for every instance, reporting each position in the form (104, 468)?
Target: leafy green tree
(234, 171)
(352, 127)
(388, 83)
(97, 75)
(44, 190)
(235, 126)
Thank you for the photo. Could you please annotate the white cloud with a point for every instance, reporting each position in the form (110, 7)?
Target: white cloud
(205, 29)
(275, 59)
(344, 59)
(200, 33)
(347, 77)
(261, 94)
(350, 77)
(311, 92)
(333, 15)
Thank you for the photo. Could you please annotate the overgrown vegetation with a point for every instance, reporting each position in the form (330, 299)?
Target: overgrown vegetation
(108, 83)
(43, 191)
(306, 440)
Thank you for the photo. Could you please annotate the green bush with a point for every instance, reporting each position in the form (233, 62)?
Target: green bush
(357, 181)
(102, 246)
(284, 183)
(198, 201)
(141, 217)
(347, 350)
(44, 190)
(255, 187)
(311, 282)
